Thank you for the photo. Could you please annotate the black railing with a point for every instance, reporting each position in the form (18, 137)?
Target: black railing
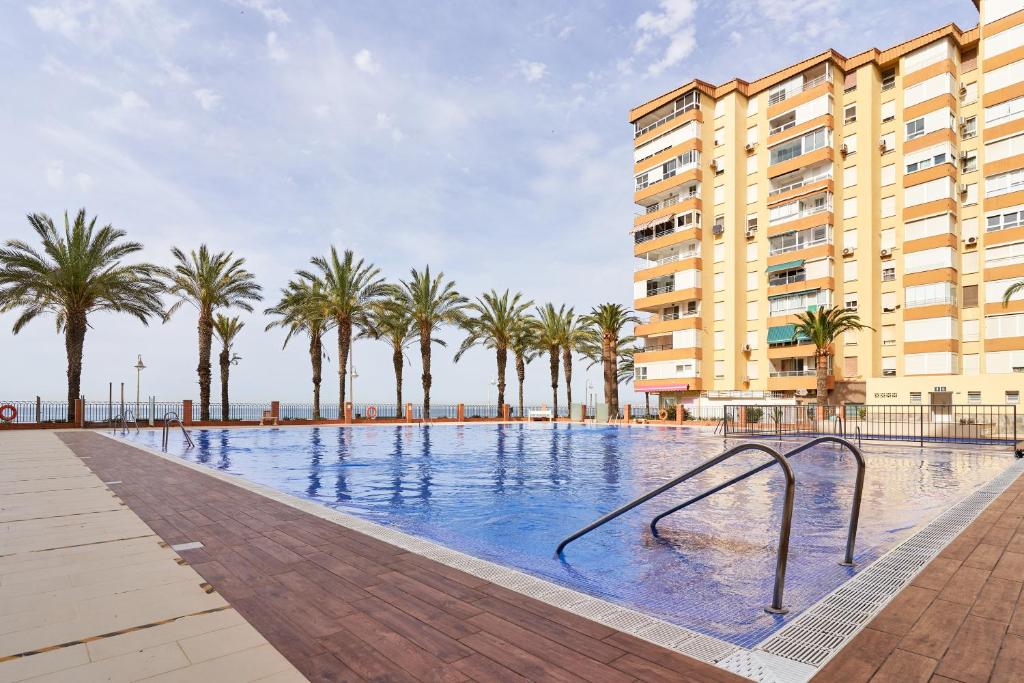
(971, 423)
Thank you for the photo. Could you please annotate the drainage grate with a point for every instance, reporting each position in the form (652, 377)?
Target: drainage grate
(816, 635)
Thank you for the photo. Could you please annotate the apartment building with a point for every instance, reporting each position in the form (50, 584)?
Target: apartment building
(890, 183)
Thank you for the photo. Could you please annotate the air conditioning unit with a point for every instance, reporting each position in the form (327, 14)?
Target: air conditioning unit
(971, 240)
(714, 165)
(963, 154)
(844, 150)
(848, 251)
(882, 146)
(800, 392)
(750, 146)
(962, 188)
(746, 379)
(718, 229)
(963, 121)
(746, 348)
(963, 90)
(885, 252)
(751, 232)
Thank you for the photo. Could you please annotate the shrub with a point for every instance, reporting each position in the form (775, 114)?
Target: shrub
(754, 414)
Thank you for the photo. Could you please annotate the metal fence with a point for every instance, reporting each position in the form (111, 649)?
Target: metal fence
(39, 411)
(973, 423)
(236, 411)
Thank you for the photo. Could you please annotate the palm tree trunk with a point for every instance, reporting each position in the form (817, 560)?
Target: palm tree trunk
(425, 332)
(205, 370)
(822, 385)
(553, 364)
(397, 361)
(74, 345)
(567, 371)
(316, 360)
(344, 340)
(521, 376)
(611, 394)
(225, 364)
(502, 357)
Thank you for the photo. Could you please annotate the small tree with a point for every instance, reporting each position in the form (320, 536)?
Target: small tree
(226, 329)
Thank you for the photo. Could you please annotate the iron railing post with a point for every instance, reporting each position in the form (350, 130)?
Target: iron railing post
(39, 410)
(920, 412)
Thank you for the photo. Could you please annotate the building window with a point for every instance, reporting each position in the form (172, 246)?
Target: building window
(850, 114)
(974, 397)
(751, 223)
(969, 161)
(888, 274)
(1013, 397)
(915, 128)
(970, 128)
(850, 366)
(641, 372)
(888, 79)
(888, 111)
(915, 396)
(850, 302)
(888, 366)
(970, 297)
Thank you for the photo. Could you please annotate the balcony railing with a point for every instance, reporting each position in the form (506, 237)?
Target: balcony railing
(656, 347)
(640, 237)
(671, 201)
(783, 95)
(793, 373)
(797, 247)
(799, 276)
(786, 126)
(809, 211)
(800, 183)
(667, 317)
(665, 119)
(644, 264)
(950, 300)
(664, 289)
(674, 172)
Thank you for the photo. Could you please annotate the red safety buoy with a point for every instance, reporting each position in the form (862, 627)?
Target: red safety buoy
(8, 413)
(371, 412)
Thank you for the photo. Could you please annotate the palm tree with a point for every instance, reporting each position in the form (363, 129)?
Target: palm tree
(550, 335)
(523, 345)
(432, 302)
(350, 287)
(303, 309)
(492, 322)
(576, 334)
(390, 321)
(226, 329)
(75, 274)
(823, 327)
(209, 281)
(1011, 291)
(607, 322)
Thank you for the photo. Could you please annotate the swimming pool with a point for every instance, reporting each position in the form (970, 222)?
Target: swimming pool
(509, 493)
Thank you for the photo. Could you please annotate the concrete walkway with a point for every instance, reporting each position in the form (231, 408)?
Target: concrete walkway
(88, 592)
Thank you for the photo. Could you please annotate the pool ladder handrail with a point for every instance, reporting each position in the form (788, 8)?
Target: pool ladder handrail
(784, 529)
(124, 420)
(858, 491)
(171, 418)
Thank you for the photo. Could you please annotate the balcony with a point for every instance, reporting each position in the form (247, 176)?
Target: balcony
(670, 201)
(660, 230)
(643, 264)
(793, 182)
(687, 102)
(797, 246)
(824, 207)
(784, 94)
(810, 372)
(934, 301)
(787, 278)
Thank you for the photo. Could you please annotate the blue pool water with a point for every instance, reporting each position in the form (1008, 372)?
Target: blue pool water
(510, 493)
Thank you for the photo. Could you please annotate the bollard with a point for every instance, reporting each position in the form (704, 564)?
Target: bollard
(505, 410)
(348, 413)
(627, 413)
(186, 412)
(408, 412)
(275, 410)
(461, 412)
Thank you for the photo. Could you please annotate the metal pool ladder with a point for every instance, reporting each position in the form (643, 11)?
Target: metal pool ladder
(172, 418)
(125, 419)
(787, 510)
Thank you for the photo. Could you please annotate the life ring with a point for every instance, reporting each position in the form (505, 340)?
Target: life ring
(662, 414)
(8, 413)
(371, 412)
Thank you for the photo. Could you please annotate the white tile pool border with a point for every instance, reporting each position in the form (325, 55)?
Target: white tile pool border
(793, 654)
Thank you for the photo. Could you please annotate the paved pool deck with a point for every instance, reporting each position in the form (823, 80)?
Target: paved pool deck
(341, 605)
(89, 592)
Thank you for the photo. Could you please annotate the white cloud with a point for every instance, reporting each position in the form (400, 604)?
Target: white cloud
(83, 181)
(365, 62)
(272, 13)
(62, 18)
(566, 32)
(132, 100)
(274, 50)
(208, 99)
(55, 174)
(674, 23)
(386, 123)
(532, 71)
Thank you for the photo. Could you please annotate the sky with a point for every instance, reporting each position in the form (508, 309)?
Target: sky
(489, 140)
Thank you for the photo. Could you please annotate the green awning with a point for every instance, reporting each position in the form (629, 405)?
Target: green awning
(788, 265)
(785, 334)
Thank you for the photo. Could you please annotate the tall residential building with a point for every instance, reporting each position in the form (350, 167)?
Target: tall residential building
(890, 183)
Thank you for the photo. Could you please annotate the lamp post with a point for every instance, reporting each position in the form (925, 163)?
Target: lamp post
(139, 367)
(494, 383)
(590, 389)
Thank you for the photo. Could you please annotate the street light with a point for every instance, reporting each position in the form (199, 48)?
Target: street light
(494, 383)
(590, 389)
(139, 367)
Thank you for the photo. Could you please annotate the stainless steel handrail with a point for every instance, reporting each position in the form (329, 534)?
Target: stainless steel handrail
(787, 512)
(171, 418)
(124, 420)
(858, 492)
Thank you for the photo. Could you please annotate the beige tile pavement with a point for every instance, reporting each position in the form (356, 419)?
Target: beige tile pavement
(88, 583)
